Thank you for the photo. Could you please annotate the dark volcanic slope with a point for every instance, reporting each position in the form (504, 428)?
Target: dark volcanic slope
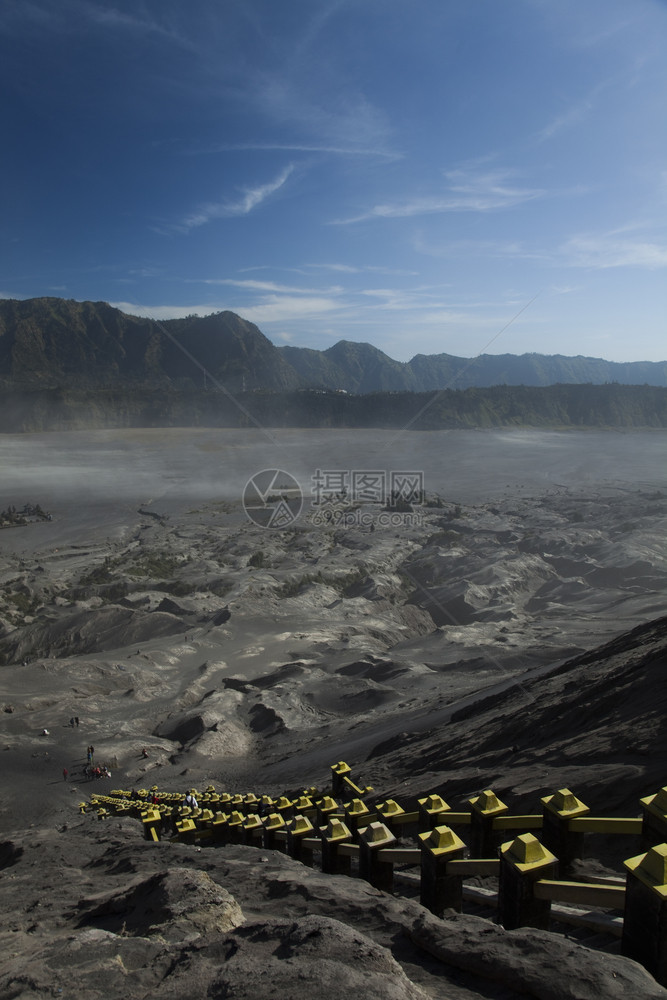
(94, 908)
(596, 724)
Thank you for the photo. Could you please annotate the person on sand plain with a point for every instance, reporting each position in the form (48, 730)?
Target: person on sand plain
(65, 773)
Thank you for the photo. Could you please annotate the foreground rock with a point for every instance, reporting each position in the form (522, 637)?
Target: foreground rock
(99, 913)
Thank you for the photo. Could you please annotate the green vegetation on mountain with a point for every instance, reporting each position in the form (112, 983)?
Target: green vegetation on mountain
(56, 343)
(52, 342)
(67, 365)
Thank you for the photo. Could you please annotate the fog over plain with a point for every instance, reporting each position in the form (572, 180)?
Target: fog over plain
(543, 544)
(466, 466)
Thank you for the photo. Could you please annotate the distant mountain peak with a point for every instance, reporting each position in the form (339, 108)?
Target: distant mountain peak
(51, 341)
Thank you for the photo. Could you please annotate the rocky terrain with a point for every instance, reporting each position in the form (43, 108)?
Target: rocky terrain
(507, 633)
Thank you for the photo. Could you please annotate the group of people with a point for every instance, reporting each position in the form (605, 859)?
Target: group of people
(101, 771)
(91, 770)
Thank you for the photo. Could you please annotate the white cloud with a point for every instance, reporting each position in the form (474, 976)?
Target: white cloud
(478, 248)
(607, 250)
(110, 17)
(466, 192)
(284, 308)
(300, 147)
(250, 199)
(266, 286)
(346, 123)
(572, 116)
(165, 312)
(366, 269)
(271, 310)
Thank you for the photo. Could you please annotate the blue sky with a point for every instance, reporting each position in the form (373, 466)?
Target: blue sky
(429, 176)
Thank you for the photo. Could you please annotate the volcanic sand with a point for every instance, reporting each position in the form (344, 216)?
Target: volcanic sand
(253, 657)
(442, 652)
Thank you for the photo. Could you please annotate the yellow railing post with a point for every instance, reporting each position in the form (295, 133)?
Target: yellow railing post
(654, 818)
(267, 805)
(297, 829)
(389, 812)
(557, 811)
(285, 807)
(523, 862)
(338, 772)
(251, 803)
(304, 806)
(357, 815)
(252, 829)
(432, 812)
(152, 821)
(484, 808)
(371, 868)
(273, 823)
(186, 831)
(220, 827)
(235, 827)
(440, 891)
(325, 807)
(645, 917)
(335, 834)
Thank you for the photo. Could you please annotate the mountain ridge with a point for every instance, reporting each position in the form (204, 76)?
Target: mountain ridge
(52, 342)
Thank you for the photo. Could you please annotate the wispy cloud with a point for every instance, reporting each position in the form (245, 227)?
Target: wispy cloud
(573, 116)
(466, 192)
(271, 309)
(165, 312)
(325, 120)
(366, 269)
(76, 16)
(603, 251)
(589, 39)
(266, 286)
(349, 149)
(478, 248)
(577, 112)
(249, 199)
(284, 308)
(111, 17)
